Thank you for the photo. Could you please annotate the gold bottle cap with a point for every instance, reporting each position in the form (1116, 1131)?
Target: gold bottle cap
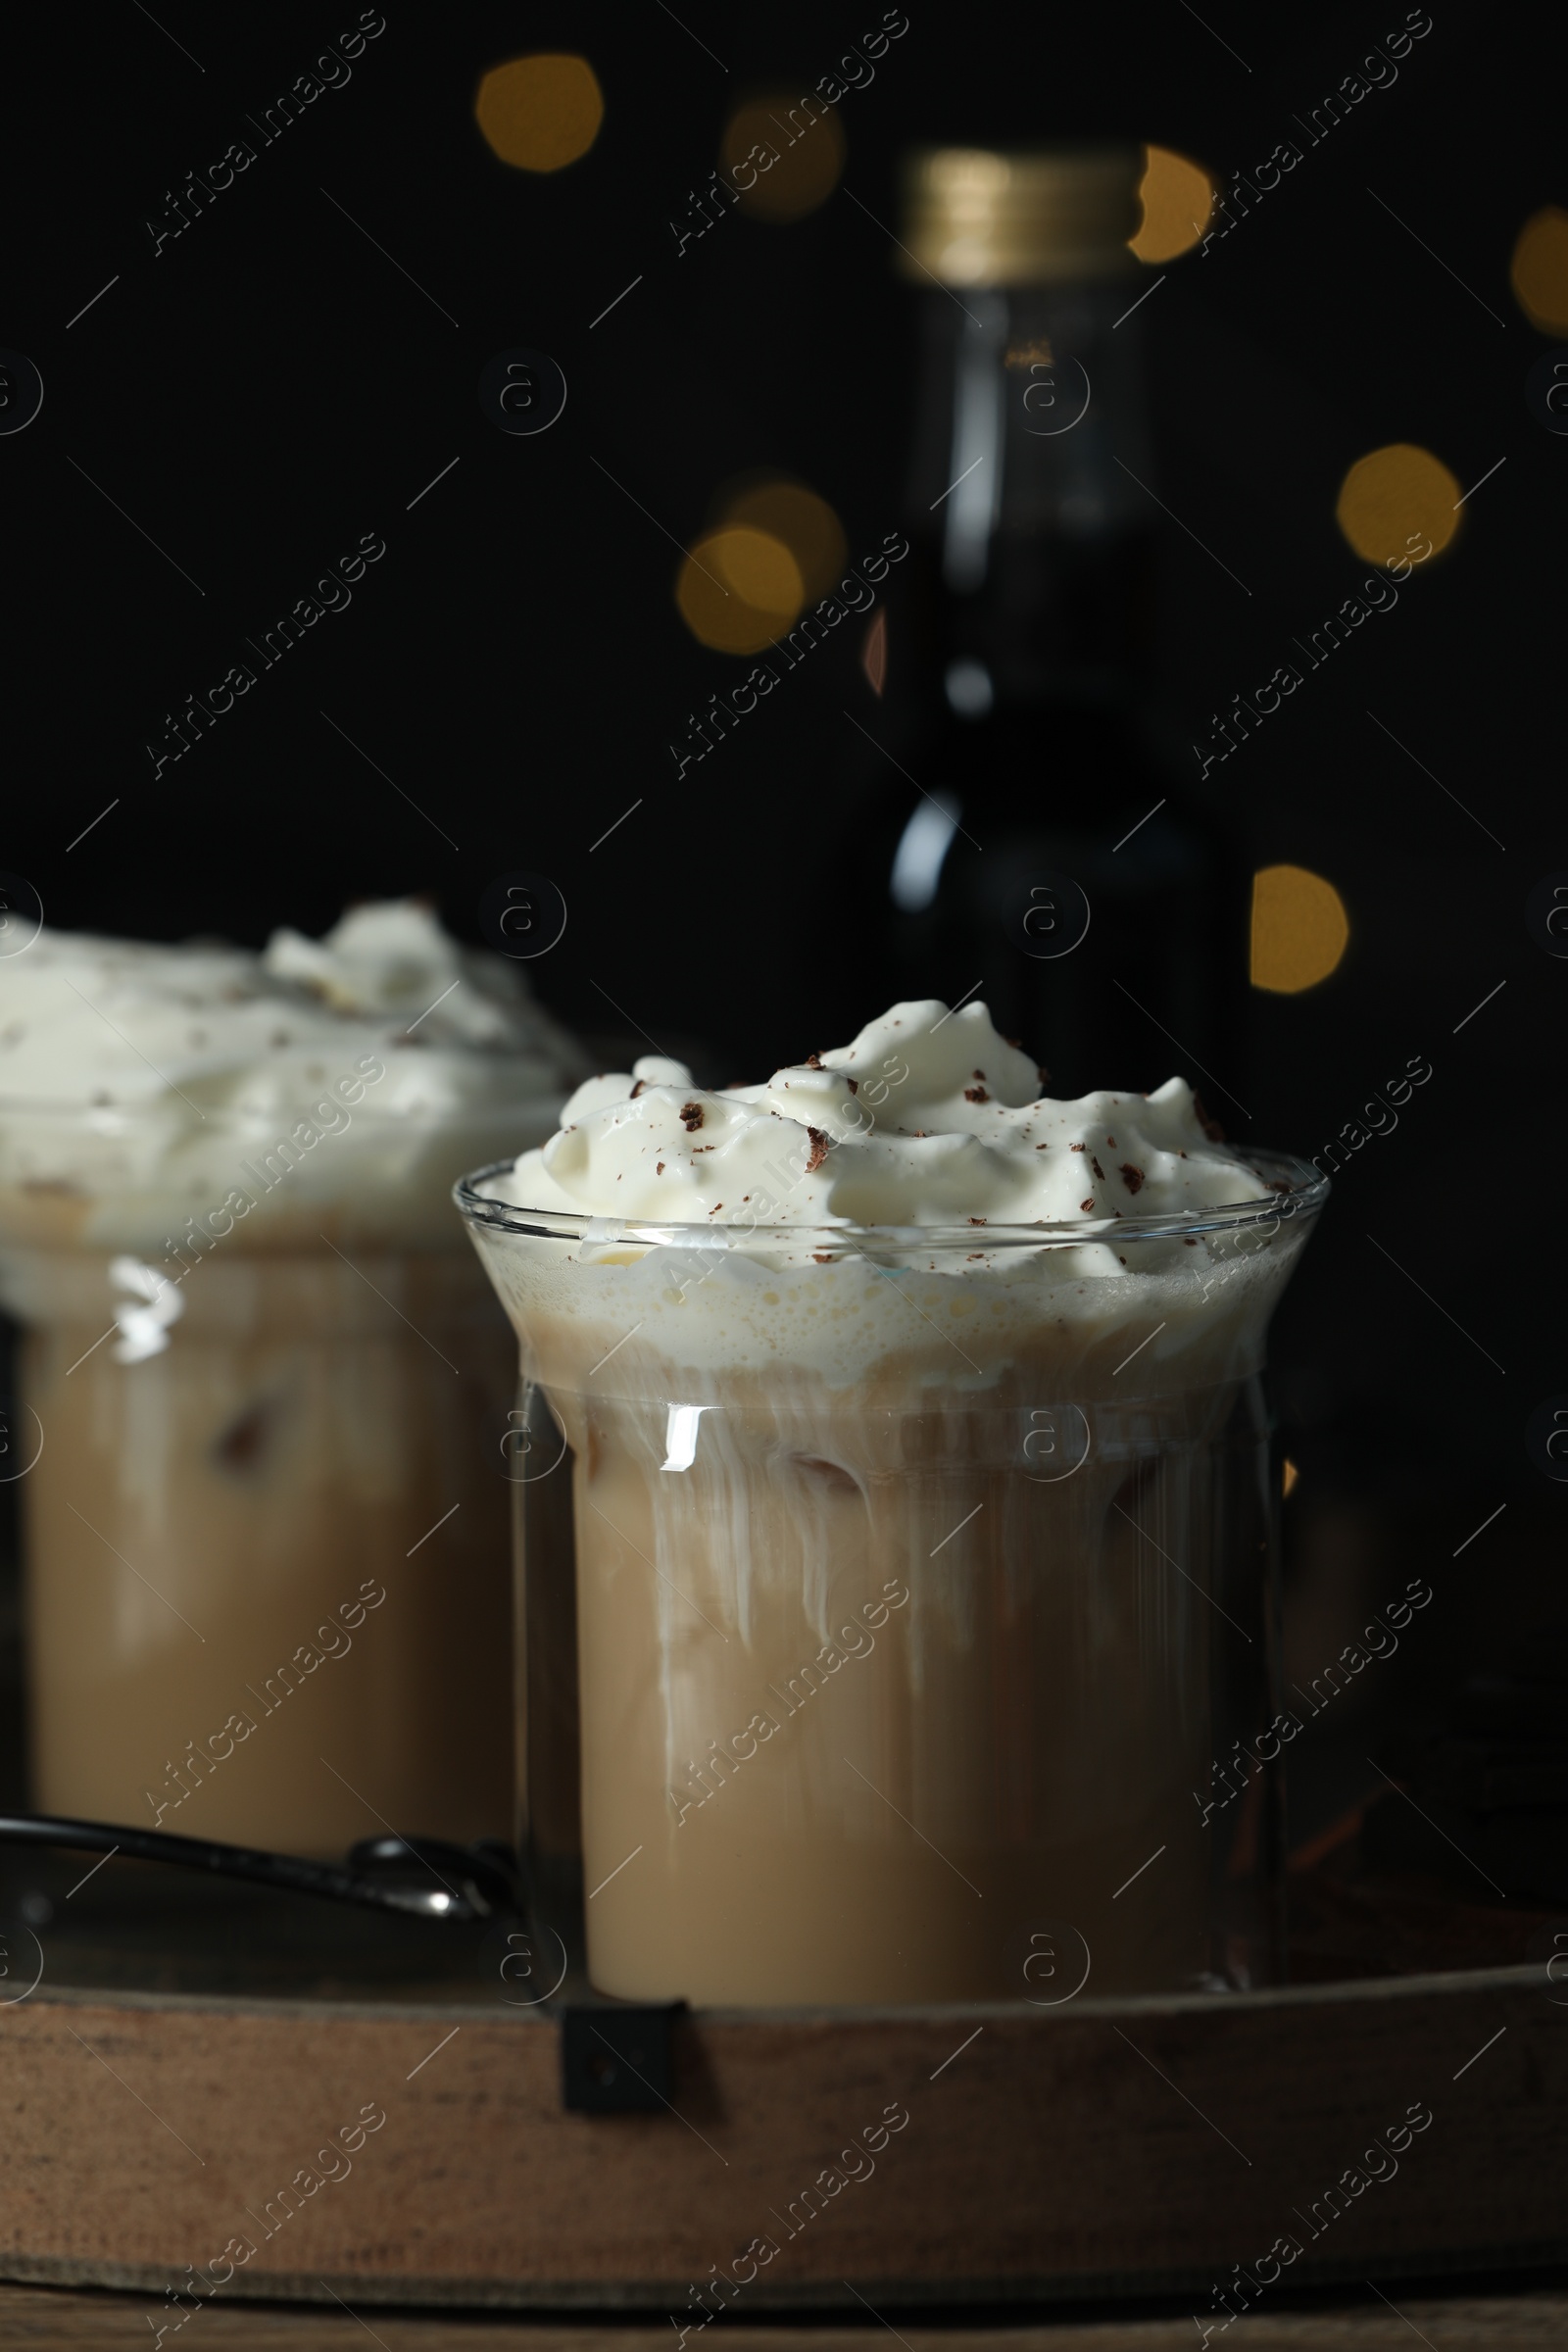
(1049, 215)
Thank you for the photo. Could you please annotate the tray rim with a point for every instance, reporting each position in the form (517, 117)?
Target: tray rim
(1230, 2005)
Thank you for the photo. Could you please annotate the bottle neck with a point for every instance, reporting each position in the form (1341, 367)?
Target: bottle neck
(1032, 529)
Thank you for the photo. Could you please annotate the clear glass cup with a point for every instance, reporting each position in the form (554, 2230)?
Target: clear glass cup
(265, 1552)
(897, 1606)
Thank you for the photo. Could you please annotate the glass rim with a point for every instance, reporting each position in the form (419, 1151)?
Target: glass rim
(1294, 1190)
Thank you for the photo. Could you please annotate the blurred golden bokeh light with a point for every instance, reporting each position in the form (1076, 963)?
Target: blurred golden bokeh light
(1538, 270)
(775, 547)
(540, 113)
(805, 523)
(1178, 199)
(1300, 929)
(1292, 1474)
(1393, 495)
(783, 155)
(739, 589)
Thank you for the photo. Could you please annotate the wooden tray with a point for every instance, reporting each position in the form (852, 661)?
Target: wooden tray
(1147, 2144)
(193, 2053)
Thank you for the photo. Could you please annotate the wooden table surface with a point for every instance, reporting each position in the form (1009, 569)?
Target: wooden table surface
(73, 2322)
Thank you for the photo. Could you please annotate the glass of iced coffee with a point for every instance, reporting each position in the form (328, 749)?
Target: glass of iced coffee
(265, 1534)
(898, 1557)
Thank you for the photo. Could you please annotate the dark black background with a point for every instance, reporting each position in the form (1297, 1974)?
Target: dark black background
(270, 386)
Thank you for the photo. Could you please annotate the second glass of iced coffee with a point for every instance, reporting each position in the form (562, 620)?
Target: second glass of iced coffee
(265, 1534)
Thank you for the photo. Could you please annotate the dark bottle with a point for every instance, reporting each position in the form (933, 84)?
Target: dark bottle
(1032, 792)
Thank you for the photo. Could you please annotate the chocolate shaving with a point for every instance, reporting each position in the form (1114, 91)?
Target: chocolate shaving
(821, 1144)
(854, 1085)
(821, 1257)
(1132, 1178)
(813, 1061)
(1277, 1184)
(979, 1074)
(1042, 1076)
(1089, 1203)
(1211, 1127)
(1100, 1172)
(975, 1093)
(977, 1220)
(691, 1116)
(1077, 1147)
(636, 1090)
(660, 1168)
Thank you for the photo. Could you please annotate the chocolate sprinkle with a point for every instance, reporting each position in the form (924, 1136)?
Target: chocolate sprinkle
(975, 1093)
(1132, 1178)
(821, 1147)
(691, 1116)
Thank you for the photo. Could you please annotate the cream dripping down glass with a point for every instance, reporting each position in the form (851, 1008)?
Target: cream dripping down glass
(267, 1574)
(897, 1541)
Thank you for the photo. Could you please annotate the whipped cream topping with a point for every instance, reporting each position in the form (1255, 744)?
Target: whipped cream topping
(395, 958)
(93, 1023)
(927, 1118)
